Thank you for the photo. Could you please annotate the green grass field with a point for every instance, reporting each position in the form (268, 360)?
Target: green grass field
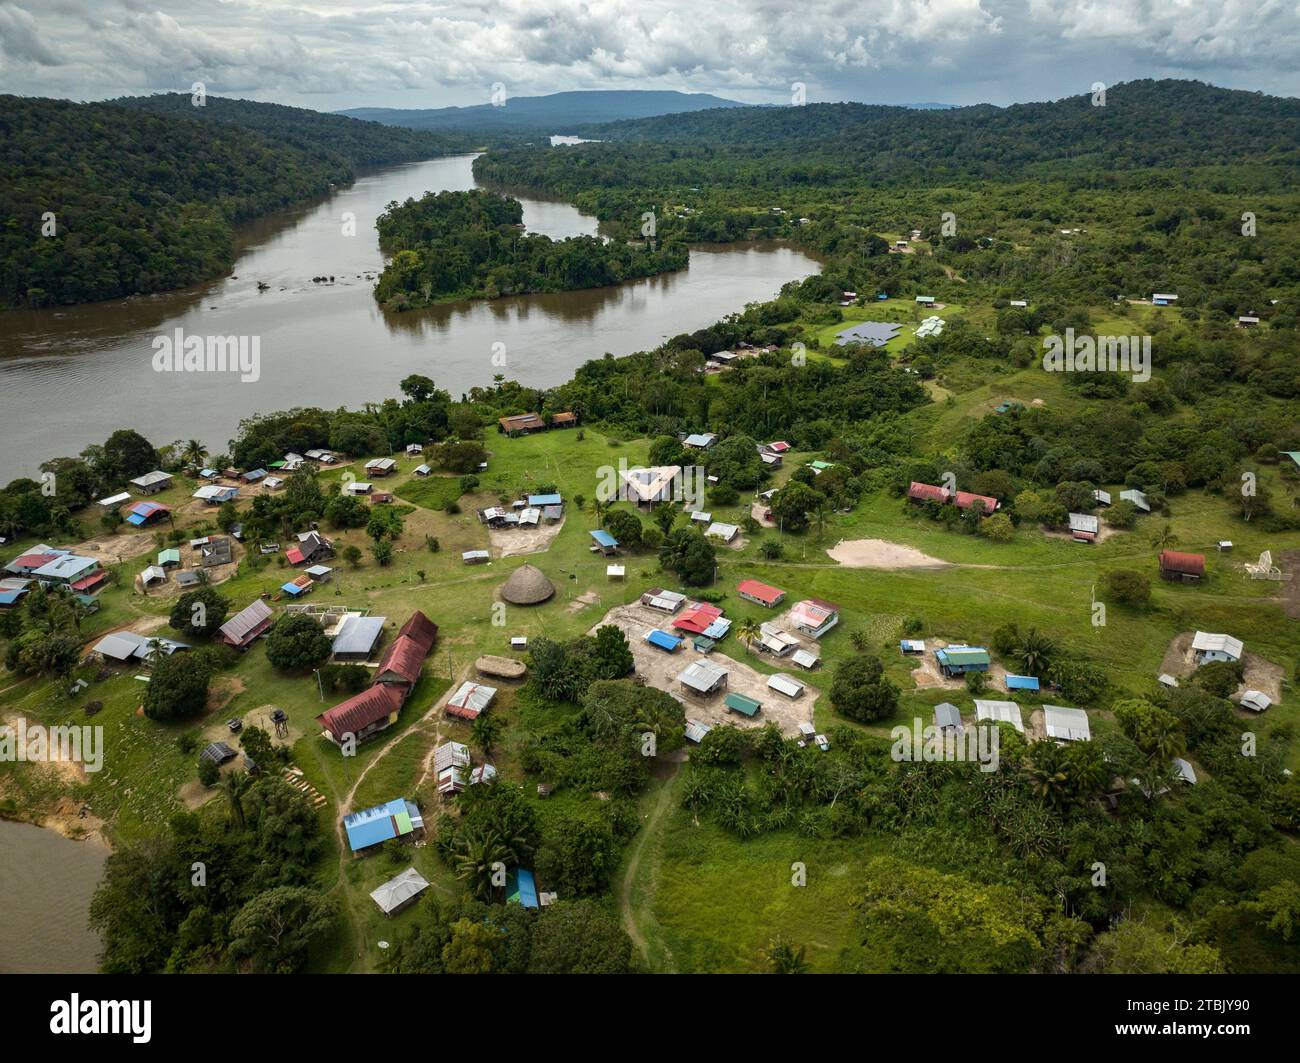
(701, 900)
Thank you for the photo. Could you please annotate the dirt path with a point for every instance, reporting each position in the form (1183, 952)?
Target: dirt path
(660, 808)
(361, 961)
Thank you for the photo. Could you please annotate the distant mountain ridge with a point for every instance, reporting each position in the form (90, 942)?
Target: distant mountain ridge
(560, 112)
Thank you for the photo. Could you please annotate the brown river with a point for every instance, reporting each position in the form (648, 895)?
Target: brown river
(69, 377)
(46, 881)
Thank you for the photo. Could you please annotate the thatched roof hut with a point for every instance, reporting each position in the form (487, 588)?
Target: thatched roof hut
(502, 667)
(527, 586)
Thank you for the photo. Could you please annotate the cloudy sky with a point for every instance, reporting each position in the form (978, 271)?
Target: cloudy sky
(331, 54)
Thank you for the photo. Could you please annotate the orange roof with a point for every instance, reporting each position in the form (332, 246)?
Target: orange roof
(927, 492)
(1190, 564)
(402, 662)
(359, 712)
(420, 628)
(766, 594)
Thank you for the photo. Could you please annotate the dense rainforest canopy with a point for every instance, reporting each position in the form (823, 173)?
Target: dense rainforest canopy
(472, 245)
(103, 200)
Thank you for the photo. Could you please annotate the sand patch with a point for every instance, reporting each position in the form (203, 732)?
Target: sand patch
(660, 670)
(515, 542)
(582, 601)
(927, 676)
(114, 549)
(878, 553)
(757, 510)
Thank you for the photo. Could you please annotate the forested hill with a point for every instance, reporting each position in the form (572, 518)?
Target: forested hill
(359, 142)
(560, 112)
(147, 202)
(1142, 124)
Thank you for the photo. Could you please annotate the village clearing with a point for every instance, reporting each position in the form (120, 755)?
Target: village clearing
(660, 669)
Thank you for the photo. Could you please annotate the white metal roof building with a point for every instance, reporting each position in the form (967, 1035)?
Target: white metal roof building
(1138, 498)
(664, 601)
(783, 684)
(695, 730)
(805, 659)
(719, 530)
(400, 891)
(1066, 725)
(127, 645)
(1256, 700)
(357, 638)
(703, 677)
(1000, 712)
(1211, 647)
(471, 699)
(947, 715)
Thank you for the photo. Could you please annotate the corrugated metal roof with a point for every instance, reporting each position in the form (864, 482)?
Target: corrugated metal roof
(1070, 725)
(358, 635)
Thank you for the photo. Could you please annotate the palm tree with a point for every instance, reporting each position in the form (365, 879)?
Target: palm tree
(475, 857)
(1164, 538)
(194, 453)
(1046, 771)
(784, 958)
(486, 732)
(665, 516)
(234, 786)
(599, 509)
(820, 515)
(748, 631)
(1036, 652)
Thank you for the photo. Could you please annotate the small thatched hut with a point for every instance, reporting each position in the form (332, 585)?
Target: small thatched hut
(527, 586)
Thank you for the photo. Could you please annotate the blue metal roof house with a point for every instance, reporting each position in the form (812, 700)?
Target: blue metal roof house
(604, 541)
(662, 640)
(372, 826)
(535, 501)
(1022, 682)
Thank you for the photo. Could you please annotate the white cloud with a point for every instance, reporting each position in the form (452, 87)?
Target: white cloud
(336, 53)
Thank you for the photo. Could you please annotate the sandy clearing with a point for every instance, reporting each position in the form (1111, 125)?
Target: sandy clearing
(927, 676)
(660, 670)
(1259, 673)
(757, 511)
(114, 549)
(879, 553)
(515, 542)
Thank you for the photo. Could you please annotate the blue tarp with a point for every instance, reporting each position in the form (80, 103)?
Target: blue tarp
(292, 588)
(1022, 682)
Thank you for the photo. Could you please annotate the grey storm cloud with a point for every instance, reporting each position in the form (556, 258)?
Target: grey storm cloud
(336, 53)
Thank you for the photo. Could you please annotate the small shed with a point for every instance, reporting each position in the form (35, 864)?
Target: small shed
(947, 717)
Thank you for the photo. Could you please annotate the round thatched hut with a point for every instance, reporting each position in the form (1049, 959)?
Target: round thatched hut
(527, 586)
